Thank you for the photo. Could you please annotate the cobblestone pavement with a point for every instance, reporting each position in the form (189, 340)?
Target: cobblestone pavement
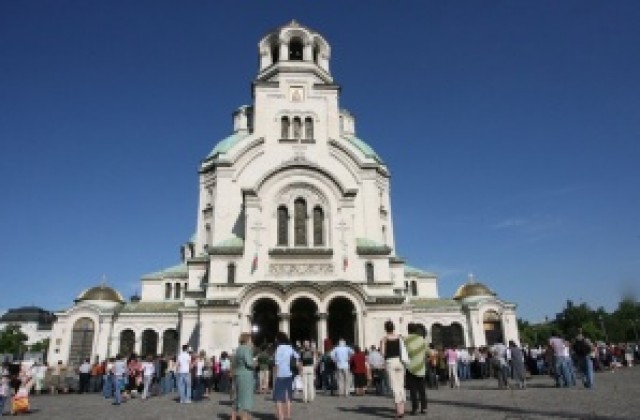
(617, 396)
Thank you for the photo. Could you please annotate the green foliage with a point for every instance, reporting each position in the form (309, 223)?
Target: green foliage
(622, 325)
(12, 340)
(41, 345)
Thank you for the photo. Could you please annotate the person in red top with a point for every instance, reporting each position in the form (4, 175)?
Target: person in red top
(358, 364)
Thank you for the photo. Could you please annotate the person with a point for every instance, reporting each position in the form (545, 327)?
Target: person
(309, 359)
(376, 362)
(263, 370)
(560, 360)
(84, 372)
(391, 347)
(500, 359)
(148, 371)
(517, 364)
(341, 355)
(39, 371)
(5, 392)
(583, 348)
(451, 357)
(285, 356)
(243, 381)
(328, 373)
(416, 369)
(198, 375)
(225, 368)
(119, 372)
(358, 364)
(183, 369)
(432, 367)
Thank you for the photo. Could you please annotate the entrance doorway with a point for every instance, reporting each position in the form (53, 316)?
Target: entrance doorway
(81, 341)
(492, 327)
(342, 321)
(303, 323)
(264, 321)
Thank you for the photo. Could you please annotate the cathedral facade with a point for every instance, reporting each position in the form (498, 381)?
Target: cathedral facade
(294, 232)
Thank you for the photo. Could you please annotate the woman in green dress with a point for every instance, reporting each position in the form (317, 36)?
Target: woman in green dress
(243, 377)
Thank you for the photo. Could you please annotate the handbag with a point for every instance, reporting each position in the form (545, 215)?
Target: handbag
(293, 365)
(404, 355)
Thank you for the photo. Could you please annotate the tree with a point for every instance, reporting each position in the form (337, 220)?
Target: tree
(41, 345)
(12, 340)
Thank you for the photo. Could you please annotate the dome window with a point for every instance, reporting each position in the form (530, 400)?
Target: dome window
(296, 49)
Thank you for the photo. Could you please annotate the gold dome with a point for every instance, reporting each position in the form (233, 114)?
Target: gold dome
(102, 293)
(472, 289)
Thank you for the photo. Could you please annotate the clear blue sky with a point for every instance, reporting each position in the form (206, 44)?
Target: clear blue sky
(511, 129)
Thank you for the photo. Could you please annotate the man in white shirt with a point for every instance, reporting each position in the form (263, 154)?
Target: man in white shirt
(84, 371)
(183, 369)
(341, 355)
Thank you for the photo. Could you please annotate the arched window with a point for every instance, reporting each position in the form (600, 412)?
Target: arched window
(127, 342)
(316, 53)
(318, 226)
(275, 52)
(81, 346)
(170, 342)
(149, 345)
(414, 288)
(177, 291)
(284, 127)
(231, 273)
(436, 336)
(297, 128)
(300, 222)
(296, 49)
(283, 226)
(167, 291)
(308, 128)
(369, 270)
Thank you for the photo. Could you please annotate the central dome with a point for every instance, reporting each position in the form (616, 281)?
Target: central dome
(101, 293)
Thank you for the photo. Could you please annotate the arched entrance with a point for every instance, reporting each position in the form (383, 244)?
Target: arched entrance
(447, 336)
(492, 328)
(149, 343)
(342, 319)
(264, 321)
(170, 343)
(304, 320)
(81, 346)
(127, 343)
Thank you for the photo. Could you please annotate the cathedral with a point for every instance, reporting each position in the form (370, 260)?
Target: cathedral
(294, 232)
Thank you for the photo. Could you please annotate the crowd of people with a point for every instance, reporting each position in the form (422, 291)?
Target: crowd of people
(398, 363)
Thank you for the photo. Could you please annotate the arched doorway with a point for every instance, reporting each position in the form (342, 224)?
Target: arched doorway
(149, 343)
(265, 321)
(170, 343)
(303, 324)
(127, 343)
(447, 336)
(342, 320)
(81, 346)
(492, 328)
(436, 336)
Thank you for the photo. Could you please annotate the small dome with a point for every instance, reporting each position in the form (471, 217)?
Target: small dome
(472, 289)
(101, 293)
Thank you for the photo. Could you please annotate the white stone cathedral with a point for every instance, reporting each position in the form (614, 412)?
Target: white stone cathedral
(294, 232)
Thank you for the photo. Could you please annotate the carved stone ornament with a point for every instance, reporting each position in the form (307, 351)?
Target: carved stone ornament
(296, 270)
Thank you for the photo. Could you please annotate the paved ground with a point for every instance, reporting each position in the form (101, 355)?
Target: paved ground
(617, 396)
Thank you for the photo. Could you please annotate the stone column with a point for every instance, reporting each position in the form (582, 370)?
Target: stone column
(322, 330)
(284, 51)
(284, 322)
(307, 52)
(138, 344)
